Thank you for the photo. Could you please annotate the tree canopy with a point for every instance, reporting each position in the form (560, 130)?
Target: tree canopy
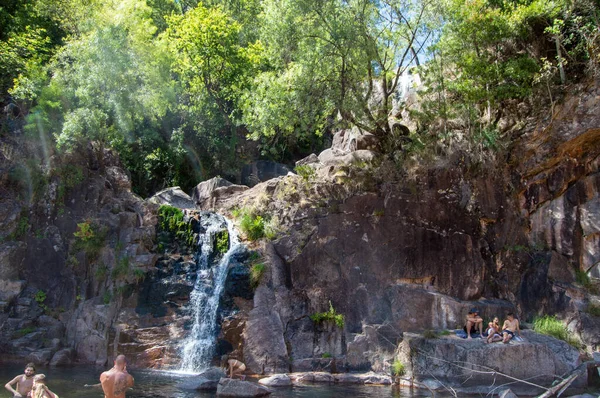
(181, 89)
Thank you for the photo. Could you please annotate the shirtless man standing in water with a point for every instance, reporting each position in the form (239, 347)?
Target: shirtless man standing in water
(116, 381)
(24, 382)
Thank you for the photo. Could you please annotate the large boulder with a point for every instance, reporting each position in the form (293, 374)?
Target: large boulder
(277, 380)
(350, 140)
(330, 157)
(63, 357)
(208, 192)
(239, 388)
(204, 190)
(205, 381)
(173, 197)
(470, 366)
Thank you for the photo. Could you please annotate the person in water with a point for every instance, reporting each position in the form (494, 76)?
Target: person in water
(24, 382)
(116, 381)
(233, 367)
(473, 323)
(510, 327)
(40, 390)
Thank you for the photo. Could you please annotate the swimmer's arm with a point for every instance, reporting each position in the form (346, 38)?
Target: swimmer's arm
(9, 387)
(130, 381)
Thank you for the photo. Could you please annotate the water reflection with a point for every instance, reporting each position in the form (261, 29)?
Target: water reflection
(69, 383)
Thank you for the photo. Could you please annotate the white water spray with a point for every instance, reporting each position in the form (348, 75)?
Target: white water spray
(199, 347)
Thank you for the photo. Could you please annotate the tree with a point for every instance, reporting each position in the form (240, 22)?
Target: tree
(213, 69)
(350, 53)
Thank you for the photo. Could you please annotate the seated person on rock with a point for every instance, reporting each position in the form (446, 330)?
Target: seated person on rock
(493, 331)
(40, 390)
(510, 327)
(233, 367)
(24, 382)
(473, 323)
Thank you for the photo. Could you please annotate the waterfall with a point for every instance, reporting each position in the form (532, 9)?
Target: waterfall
(198, 347)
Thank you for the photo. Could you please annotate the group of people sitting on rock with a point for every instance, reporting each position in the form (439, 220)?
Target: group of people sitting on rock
(30, 385)
(493, 332)
(114, 382)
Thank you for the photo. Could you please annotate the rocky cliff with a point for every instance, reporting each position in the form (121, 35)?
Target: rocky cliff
(83, 274)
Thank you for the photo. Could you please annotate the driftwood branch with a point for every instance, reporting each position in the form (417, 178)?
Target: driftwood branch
(571, 377)
(550, 391)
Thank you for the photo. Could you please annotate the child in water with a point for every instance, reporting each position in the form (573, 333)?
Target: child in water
(40, 390)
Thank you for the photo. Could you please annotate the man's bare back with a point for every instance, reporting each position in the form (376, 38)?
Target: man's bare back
(116, 381)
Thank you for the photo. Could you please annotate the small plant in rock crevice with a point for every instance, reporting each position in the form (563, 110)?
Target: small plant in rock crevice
(593, 309)
(256, 273)
(121, 270)
(23, 332)
(331, 315)
(172, 227)
(91, 239)
(306, 171)
(40, 298)
(222, 242)
(398, 368)
(252, 225)
(107, 298)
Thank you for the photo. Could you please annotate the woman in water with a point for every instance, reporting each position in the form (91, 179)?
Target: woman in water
(40, 390)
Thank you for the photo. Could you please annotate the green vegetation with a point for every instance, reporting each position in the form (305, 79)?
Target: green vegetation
(121, 270)
(23, 332)
(398, 368)
(69, 177)
(593, 309)
(252, 225)
(101, 272)
(379, 212)
(256, 273)
(40, 298)
(222, 241)
(173, 227)
(331, 315)
(430, 334)
(138, 274)
(307, 172)
(551, 326)
(107, 298)
(583, 279)
(326, 355)
(90, 238)
(176, 87)
(22, 227)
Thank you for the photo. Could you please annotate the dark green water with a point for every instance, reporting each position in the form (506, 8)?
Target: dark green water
(69, 383)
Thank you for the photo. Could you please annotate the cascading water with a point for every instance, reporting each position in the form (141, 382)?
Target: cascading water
(198, 347)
